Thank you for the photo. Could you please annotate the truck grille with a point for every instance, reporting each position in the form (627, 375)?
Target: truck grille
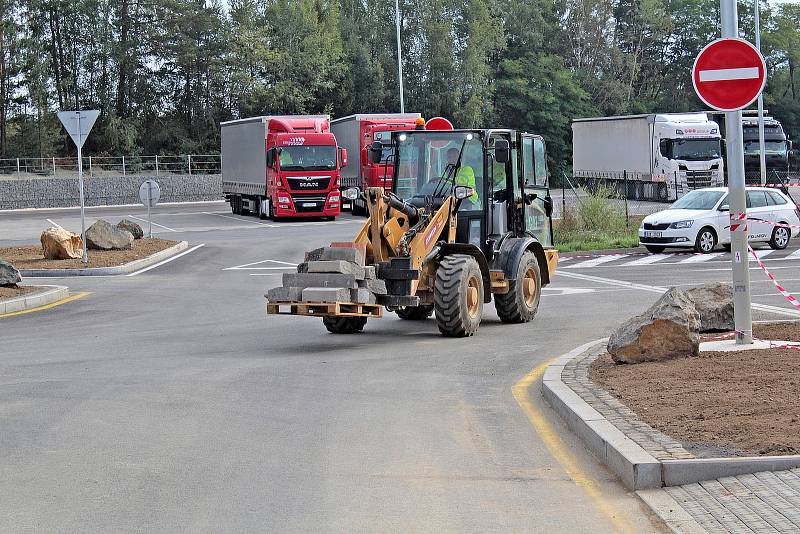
(662, 226)
(697, 179)
(309, 203)
(308, 183)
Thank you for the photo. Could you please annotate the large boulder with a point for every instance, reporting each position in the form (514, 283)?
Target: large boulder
(714, 303)
(669, 329)
(102, 236)
(60, 244)
(9, 275)
(132, 227)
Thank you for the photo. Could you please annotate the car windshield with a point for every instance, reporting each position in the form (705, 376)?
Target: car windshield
(432, 162)
(308, 158)
(771, 148)
(690, 149)
(698, 200)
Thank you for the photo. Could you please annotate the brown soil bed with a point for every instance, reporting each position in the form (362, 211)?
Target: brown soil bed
(7, 293)
(781, 330)
(30, 257)
(720, 404)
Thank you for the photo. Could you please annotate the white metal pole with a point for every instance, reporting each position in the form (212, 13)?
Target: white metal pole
(85, 256)
(762, 157)
(149, 201)
(399, 54)
(189, 159)
(736, 200)
(156, 165)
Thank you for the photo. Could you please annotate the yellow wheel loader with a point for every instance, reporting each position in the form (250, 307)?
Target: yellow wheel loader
(464, 219)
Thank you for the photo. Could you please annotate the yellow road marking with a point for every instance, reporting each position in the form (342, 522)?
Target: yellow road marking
(561, 453)
(70, 298)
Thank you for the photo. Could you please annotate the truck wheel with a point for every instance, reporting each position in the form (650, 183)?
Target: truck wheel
(232, 201)
(344, 325)
(236, 204)
(458, 296)
(271, 213)
(521, 302)
(260, 209)
(415, 313)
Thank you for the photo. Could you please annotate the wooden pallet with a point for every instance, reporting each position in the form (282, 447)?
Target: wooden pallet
(322, 309)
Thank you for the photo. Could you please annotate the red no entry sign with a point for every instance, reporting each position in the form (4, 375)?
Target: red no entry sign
(729, 74)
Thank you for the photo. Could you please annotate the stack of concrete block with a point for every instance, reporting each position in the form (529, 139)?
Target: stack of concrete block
(332, 274)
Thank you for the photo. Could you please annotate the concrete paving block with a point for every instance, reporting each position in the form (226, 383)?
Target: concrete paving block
(284, 294)
(369, 272)
(313, 255)
(326, 294)
(376, 285)
(361, 247)
(319, 280)
(336, 266)
(633, 465)
(350, 254)
(680, 472)
(362, 296)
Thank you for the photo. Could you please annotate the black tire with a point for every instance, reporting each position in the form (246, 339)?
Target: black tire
(344, 325)
(706, 240)
(259, 211)
(654, 249)
(727, 247)
(521, 302)
(780, 237)
(415, 313)
(232, 201)
(236, 204)
(458, 296)
(271, 212)
(358, 210)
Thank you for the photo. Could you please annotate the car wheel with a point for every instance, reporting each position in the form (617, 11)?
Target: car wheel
(655, 250)
(780, 238)
(706, 240)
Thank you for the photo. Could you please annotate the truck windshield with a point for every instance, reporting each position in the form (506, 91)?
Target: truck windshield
(691, 149)
(386, 138)
(308, 158)
(771, 148)
(698, 200)
(429, 165)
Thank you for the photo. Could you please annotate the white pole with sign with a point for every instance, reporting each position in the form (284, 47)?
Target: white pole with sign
(149, 194)
(78, 125)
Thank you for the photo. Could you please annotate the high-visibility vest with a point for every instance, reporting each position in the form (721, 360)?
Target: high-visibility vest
(465, 176)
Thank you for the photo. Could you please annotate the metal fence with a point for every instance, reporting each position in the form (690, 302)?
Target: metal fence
(191, 164)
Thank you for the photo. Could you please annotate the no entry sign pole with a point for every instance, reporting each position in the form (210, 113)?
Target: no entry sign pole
(742, 313)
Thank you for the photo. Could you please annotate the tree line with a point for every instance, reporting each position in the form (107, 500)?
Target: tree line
(165, 73)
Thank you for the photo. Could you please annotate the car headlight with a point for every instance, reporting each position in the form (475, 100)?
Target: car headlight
(681, 224)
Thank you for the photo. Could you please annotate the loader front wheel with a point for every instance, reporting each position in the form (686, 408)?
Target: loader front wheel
(521, 302)
(344, 325)
(458, 296)
(415, 313)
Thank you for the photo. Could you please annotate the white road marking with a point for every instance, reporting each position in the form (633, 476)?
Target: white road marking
(54, 223)
(761, 254)
(596, 261)
(154, 224)
(248, 266)
(721, 75)
(238, 219)
(648, 259)
(700, 258)
(661, 290)
(159, 264)
(263, 274)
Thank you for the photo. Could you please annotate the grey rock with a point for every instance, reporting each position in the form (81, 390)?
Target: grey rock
(285, 294)
(319, 280)
(336, 266)
(9, 275)
(669, 329)
(102, 236)
(350, 254)
(362, 295)
(326, 294)
(376, 285)
(132, 227)
(714, 303)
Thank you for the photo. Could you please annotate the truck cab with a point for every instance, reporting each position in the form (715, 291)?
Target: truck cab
(776, 148)
(687, 147)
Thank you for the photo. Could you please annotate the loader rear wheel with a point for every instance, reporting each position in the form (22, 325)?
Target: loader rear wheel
(344, 325)
(521, 302)
(415, 313)
(458, 296)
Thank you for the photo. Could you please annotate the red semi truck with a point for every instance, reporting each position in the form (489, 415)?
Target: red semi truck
(282, 166)
(355, 133)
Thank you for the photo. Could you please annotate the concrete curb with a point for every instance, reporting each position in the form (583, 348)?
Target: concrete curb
(109, 271)
(27, 302)
(635, 467)
(674, 516)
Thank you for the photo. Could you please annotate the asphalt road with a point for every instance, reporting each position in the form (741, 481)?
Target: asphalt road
(169, 401)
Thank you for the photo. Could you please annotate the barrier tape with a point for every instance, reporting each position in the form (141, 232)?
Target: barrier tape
(781, 185)
(738, 217)
(788, 296)
(773, 223)
(731, 335)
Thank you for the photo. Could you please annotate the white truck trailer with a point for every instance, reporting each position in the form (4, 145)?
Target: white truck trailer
(661, 156)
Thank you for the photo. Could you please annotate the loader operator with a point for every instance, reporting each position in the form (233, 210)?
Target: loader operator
(465, 176)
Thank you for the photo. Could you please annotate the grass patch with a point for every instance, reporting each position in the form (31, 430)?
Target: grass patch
(596, 223)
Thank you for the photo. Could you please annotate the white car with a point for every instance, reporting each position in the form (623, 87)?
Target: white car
(701, 220)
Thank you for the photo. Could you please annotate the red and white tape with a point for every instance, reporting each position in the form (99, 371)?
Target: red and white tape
(773, 223)
(737, 226)
(788, 296)
(782, 185)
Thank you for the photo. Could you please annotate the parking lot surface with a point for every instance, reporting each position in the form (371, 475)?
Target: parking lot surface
(169, 401)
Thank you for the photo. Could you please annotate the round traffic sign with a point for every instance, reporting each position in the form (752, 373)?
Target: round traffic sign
(149, 193)
(729, 74)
